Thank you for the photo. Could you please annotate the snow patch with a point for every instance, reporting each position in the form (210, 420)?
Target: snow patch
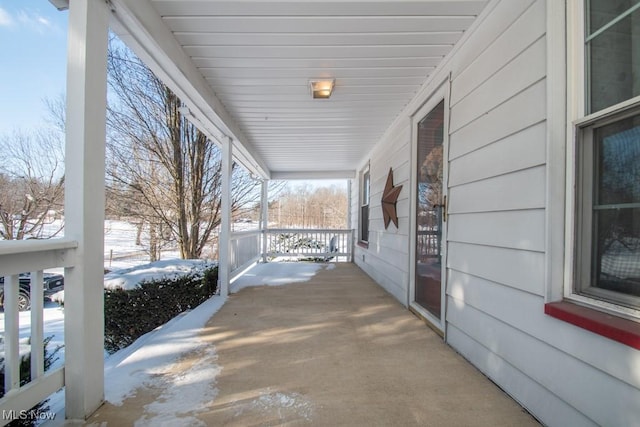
(185, 393)
(276, 274)
(153, 355)
(287, 405)
(130, 278)
(149, 361)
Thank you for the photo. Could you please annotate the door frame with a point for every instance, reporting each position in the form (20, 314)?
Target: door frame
(442, 92)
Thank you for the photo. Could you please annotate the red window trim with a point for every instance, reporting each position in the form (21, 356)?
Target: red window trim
(616, 328)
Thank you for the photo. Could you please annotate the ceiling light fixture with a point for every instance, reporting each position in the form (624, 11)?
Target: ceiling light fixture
(321, 89)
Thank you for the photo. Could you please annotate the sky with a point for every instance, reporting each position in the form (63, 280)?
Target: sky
(33, 42)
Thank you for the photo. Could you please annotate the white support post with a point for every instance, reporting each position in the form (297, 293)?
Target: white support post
(84, 206)
(349, 204)
(264, 217)
(224, 242)
(350, 239)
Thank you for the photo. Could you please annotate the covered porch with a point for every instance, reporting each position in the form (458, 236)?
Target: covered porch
(329, 348)
(347, 349)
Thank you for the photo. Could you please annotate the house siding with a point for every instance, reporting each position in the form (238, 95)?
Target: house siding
(386, 258)
(497, 229)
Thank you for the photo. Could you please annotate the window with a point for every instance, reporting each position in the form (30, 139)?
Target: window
(607, 229)
(608, 225)
(612, 63)
(363, 235)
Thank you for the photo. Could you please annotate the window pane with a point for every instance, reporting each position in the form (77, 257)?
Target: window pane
(617, 251)
(616, 211)
(365, 188)
(613, 59)
(618, 158)
(604, 11)
(429, 211)
(364, 223)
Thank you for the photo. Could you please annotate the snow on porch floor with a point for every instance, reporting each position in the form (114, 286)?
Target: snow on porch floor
(329, 348)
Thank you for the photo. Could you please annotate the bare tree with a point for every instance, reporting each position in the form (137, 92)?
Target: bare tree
(31, 184)
(161, 168)
(303, 206)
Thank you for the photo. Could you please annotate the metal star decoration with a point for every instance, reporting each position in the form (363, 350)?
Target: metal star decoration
(389, 199)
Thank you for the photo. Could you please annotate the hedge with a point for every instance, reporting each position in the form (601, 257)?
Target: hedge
(129, 314)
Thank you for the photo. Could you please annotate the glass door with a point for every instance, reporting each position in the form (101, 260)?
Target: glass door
(430, 214)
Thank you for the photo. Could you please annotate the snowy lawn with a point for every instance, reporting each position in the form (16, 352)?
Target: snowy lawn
(130, 278)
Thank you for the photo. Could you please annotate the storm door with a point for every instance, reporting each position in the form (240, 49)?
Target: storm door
(430, 214)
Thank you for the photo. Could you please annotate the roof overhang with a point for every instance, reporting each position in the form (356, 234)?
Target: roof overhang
(243, 69)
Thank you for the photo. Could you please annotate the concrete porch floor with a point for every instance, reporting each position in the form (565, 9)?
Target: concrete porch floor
(335, 350)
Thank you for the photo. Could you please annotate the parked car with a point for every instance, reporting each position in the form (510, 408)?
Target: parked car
(52, 283)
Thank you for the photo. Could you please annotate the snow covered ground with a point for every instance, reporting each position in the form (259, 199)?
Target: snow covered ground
(129, 278)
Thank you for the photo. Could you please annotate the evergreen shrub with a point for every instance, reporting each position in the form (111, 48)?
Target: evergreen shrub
(129, 314)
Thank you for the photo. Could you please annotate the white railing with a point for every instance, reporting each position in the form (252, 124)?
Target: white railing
(247, 247)
(245, 250)
(318, 245)
(18, 257)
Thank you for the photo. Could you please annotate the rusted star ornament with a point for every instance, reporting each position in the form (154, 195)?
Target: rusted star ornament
(389, 199)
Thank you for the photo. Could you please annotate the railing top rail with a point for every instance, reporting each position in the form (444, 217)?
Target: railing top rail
(14, 247)
(246, 233)
(309, 230)
(32, 255)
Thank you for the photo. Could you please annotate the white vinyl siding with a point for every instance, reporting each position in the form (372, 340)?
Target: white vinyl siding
(385, 259)
(497, 232)
(511, 153)
(497, 229)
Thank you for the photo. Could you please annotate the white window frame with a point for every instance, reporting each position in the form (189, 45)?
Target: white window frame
(577, 121)
(364, 201)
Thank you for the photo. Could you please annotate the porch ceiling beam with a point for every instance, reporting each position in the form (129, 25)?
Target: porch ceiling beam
(344, 174)
(142, 29)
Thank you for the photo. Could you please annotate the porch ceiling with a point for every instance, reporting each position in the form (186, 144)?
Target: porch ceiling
(244, 68)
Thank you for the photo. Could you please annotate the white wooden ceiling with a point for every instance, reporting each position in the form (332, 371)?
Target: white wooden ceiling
(256, 59)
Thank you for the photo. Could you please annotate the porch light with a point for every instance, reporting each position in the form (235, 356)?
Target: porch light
(321, 89)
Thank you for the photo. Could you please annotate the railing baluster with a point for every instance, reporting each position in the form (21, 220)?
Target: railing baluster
(305, 242)
(37, 325)
(11, 333)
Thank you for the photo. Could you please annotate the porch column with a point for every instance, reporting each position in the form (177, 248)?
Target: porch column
(84, 205)
(350, 220)
(224, 242)
(264, 217)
